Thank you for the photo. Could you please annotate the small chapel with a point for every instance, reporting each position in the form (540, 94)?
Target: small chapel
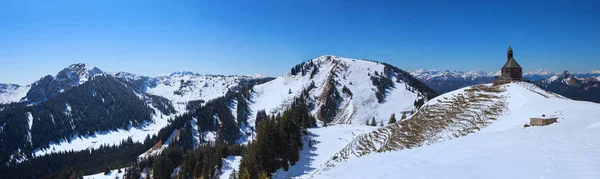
(511, 71)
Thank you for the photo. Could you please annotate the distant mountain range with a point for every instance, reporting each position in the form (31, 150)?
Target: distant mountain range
(578, 87)
(581, 86)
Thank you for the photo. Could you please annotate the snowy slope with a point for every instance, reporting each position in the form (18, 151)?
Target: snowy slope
(180, 88)
(111, 175)
(502, 149)
(319, 145)
(113, 137)
(326, 141)
(188, 86)
(354, 74)
(183, 87)
(229, 164)
(353, 110)
(10, 93)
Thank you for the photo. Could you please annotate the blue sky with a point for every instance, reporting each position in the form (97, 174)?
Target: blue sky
(151, 37)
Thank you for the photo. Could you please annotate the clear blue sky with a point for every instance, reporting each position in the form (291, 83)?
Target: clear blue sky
(155, 38)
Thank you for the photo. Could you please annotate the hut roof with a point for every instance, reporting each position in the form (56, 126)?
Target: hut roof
(511, 63)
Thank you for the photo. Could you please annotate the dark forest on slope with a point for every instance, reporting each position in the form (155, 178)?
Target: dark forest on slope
(101, 104)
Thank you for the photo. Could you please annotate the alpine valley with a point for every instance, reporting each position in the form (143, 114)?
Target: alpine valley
(327, 118)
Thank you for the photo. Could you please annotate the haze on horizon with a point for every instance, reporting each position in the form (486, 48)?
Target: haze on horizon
(155, 38)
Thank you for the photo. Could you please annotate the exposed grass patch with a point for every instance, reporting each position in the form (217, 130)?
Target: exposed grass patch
(451, 117)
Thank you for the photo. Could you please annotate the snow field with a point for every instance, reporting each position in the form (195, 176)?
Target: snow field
(504, 149)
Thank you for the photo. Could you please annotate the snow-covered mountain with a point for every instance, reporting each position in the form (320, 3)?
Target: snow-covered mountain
(338, 91)
(66, 79)
(179, 87)
(360, 90)
(565, 78)
(478, 132)
(342, 93)
(538, 74)
(183, 87)
(446, 80)
(574, 87)
(121, 104)
(10, 93)
(48, 86)
(426, 75)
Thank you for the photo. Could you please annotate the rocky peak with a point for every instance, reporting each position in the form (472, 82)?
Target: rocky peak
(78, 73)
(566, 74)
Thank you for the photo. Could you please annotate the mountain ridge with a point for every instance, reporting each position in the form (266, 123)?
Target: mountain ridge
(328, 82)
(447, 80)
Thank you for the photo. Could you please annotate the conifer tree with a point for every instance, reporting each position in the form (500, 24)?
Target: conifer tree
(106, 169)
(392, 119)
(233, 174)
(245, 175)
(403, 115)
(373, 123)
(263, 175)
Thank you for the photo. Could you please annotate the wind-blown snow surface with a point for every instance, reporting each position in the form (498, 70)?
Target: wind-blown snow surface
(504, 149)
